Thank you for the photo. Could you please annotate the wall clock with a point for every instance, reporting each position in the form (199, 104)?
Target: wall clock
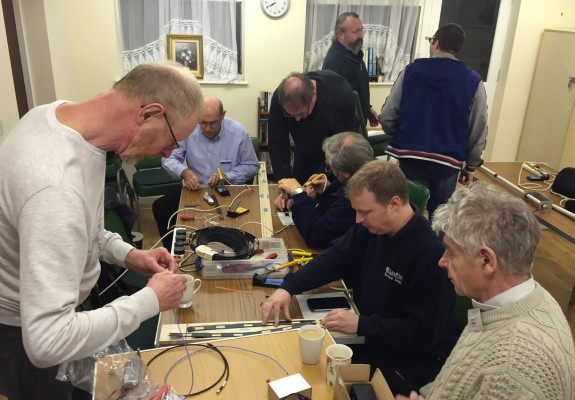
(275, 8)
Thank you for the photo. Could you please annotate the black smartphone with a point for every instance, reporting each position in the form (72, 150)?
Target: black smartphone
(327, 303)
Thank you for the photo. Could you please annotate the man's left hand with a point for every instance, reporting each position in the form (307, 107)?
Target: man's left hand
(149, 262)
(340, 320)
(465, 177)
(214, 179)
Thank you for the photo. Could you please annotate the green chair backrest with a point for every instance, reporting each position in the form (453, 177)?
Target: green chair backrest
(359, 114)
(418, 194)
(256, 144)
(149, 162)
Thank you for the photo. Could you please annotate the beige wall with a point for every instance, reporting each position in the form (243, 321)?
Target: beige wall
(529, 18)
(79, 57)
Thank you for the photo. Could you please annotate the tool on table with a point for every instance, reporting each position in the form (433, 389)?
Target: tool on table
(209, 199)
(218, 208)
(260, 279)
(221, 186)
(285, 209)
(234, 210)
(239, 329)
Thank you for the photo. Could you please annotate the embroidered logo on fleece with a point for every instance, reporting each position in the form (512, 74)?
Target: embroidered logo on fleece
(394, 276)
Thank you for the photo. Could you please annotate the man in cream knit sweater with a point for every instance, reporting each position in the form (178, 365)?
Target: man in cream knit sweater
(517, 343)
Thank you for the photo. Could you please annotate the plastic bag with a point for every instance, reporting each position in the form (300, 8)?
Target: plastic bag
(115, 373)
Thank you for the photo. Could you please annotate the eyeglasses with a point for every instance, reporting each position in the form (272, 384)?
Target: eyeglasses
(172, 132)
(430, 39)
(300, 115)
(210, 124)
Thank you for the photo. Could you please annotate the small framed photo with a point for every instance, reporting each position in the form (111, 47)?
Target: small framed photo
(188, 51)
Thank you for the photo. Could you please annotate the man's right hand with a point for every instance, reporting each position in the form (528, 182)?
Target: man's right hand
(169, 288)
(278, 301)
(191, 180)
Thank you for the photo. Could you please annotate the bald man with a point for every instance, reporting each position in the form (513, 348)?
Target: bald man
(217, 142)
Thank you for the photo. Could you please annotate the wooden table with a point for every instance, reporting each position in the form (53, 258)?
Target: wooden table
(230, 300)
(248, 370)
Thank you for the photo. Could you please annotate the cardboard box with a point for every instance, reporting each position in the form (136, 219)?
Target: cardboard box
(281, 388)
(359, 373)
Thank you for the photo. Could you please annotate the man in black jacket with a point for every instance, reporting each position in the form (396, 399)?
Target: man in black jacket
(345, 56)
(308, 107)
(390, 261)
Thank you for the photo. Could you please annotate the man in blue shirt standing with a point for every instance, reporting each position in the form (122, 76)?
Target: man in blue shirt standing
(437, 114)
(217, 142)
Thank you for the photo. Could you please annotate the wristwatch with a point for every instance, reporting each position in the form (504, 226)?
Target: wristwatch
(297, 191)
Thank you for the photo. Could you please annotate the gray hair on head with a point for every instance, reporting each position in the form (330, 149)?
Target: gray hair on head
(340, 22)
(348, 151)
(167, 83)
(480, 215)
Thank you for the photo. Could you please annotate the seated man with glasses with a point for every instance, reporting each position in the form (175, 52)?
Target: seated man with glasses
(217, 142)
(320, 210)
(308, 107)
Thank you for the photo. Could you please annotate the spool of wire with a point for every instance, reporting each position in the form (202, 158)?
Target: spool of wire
(220, 243)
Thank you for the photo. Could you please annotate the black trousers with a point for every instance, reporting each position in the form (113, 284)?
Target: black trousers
(20, 379)
(163, 208)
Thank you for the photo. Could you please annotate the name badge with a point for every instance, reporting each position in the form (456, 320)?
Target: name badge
(474, 322)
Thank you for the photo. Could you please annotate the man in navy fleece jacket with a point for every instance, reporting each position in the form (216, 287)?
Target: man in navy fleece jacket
(390, 261)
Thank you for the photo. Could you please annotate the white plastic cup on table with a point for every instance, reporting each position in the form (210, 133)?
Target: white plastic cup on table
(310, 343)
(192, 286)
(337, 354)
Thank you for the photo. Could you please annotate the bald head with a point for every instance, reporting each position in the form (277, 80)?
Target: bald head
(295, 91)
(214, 113)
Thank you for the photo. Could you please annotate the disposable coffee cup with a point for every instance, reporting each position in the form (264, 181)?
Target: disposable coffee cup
(310, 343)
(337, 354)
(192, 286)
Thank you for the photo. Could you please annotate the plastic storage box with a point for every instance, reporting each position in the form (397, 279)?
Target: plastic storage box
(236, 269)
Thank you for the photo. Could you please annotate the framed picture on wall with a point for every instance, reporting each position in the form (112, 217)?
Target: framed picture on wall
(188, 51)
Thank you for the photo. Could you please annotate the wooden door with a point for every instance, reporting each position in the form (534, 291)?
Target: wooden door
(550, 108)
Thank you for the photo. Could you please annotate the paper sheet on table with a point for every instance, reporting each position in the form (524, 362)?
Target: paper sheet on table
(285, 219)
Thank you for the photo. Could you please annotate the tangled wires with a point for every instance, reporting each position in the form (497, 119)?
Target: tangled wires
(237, 244)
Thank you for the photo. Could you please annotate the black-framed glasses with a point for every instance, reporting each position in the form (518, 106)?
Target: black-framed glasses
(301, 115)
(172, 132)
(430, 39)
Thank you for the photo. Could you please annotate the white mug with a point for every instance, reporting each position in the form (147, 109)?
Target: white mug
(310, 343)
(192, 286)
(337, 354)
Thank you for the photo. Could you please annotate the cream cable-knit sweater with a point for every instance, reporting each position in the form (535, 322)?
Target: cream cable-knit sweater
(525, 351)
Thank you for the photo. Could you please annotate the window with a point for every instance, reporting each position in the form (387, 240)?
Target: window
(145, 24)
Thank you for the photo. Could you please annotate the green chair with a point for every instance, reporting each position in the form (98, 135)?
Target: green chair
(462, 304)
(116, 177)
(256, 144)
(418, 194)
(150, 179)
(378, 142)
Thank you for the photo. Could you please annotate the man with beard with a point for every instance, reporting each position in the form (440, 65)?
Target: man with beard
(346, 58)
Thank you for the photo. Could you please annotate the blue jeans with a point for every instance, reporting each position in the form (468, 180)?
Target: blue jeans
(440, 180)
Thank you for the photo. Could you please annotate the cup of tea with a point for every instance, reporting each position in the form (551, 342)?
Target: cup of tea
(192, 286)
(310, 343)
(337, 354)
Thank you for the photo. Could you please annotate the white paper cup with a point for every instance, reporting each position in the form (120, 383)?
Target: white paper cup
(337, 354)
(310, 343)
(192, 286)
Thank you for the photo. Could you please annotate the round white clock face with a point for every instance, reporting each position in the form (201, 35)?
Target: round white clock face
(275, 8)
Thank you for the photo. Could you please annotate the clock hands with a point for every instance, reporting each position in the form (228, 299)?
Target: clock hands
(272, 4)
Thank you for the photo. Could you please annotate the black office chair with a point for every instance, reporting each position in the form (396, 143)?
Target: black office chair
(378, 142)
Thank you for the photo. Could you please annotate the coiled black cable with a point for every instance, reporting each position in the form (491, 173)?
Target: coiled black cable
(243, 244)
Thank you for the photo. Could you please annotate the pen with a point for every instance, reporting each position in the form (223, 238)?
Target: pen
(220, 174)
(313, 180)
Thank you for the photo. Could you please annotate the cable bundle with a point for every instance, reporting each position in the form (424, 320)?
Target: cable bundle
(243, 244)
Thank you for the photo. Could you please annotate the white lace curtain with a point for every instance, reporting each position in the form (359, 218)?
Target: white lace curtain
(390, 28)
(145, 24)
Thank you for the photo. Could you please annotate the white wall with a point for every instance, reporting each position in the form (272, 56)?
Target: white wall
(529, 19)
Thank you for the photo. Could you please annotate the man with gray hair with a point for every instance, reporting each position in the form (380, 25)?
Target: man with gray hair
(52, 234)
(345, 56)
(389, 259)
(517, 343)
(307, 107)
(320, 210)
